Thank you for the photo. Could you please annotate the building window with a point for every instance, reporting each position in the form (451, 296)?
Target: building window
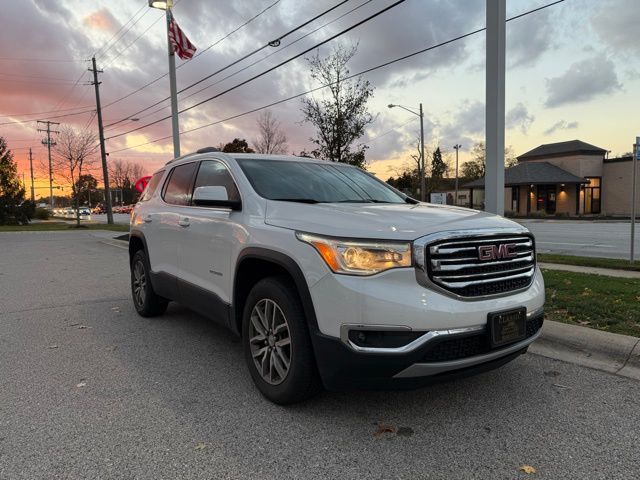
(546, 199)
(592, 200)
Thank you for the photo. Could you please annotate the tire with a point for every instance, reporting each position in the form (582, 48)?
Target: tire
(145, 300)
(274, 329)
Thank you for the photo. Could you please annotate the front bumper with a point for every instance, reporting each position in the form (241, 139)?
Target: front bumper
(441, 357)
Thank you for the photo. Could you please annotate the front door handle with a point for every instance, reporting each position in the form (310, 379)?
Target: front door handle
(183, 222)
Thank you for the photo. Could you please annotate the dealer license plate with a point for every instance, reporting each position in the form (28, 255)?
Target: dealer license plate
(507, 327)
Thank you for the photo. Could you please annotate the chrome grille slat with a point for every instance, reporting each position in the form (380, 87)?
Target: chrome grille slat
(480, 276)
(441, 249)
(487, 280)
(455, 264)
(446, 267)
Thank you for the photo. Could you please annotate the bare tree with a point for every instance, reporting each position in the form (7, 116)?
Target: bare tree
(74, 152)
(123, 175)
(271, 137)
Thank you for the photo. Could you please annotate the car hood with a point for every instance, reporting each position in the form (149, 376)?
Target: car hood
(380, 221)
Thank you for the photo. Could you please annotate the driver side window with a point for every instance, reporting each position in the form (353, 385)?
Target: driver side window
(215, 174)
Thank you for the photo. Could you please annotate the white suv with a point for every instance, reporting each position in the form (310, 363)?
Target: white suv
(331, 277)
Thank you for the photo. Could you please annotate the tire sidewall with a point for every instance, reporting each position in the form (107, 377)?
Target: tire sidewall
(302, 371)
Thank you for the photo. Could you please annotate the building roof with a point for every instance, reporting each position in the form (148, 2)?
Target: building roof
(562, 149)
(532, 173)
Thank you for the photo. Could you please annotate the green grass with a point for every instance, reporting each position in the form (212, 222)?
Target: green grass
(605, 303)
(61, 226)
(615, 263)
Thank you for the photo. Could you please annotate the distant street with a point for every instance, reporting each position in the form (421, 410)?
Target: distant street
(88, 389)
(586, 238)
(117, 217)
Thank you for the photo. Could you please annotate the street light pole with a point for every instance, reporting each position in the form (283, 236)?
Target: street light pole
(423, 182)
(457, 146)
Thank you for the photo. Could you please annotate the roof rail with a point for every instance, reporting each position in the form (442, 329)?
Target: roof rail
(208, 150)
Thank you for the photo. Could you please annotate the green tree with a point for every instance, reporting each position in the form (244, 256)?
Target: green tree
(237, 146)
(87, 186)
(475, 168)
(340, 117)
(13, 208)
(438, 166)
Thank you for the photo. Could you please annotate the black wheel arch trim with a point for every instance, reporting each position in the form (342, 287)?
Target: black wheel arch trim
(291, 267)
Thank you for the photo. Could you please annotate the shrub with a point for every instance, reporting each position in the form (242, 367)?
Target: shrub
(41, 214)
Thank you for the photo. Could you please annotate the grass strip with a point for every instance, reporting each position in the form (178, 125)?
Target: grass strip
(615, 263)
(611, 304)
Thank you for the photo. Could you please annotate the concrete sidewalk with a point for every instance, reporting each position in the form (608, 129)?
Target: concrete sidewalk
(609, 272)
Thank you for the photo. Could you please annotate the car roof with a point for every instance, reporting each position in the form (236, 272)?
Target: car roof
(266, 157)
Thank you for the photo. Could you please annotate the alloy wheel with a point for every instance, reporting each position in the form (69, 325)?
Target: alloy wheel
(270, 341)
(139, 283)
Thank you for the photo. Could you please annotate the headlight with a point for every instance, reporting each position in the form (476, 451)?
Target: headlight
(357, 257)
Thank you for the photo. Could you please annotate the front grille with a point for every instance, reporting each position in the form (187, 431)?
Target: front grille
(471, 345)
(481, 266)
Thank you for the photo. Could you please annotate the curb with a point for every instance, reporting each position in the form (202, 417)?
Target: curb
(609, 352)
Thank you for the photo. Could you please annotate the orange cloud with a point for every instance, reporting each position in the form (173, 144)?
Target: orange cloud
(100, 20)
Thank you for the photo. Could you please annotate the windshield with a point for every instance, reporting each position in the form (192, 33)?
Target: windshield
(315, 182)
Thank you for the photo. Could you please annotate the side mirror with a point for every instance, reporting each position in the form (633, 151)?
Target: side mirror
(214, 196)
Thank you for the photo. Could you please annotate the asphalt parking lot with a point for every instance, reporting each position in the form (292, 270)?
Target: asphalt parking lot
(90, 390)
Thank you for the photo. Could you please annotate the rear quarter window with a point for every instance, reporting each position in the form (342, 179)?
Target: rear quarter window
(152, 186)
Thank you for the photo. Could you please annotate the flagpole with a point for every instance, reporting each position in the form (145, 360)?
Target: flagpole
(175, 126)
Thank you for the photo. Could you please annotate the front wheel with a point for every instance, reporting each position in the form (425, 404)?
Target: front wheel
(276, 342)
(145, 299)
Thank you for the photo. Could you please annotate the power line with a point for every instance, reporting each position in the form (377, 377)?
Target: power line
(120, 52)
(236, 61)
(251, 64)
(41, 113)
(99, 51)
(55, 116)
(361, 22)
(313, 90)
(182, 64)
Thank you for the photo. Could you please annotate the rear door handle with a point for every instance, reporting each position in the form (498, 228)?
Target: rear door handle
(183, 222)
(147, 219)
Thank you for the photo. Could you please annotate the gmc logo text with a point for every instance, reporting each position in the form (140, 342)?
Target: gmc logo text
(497, 252)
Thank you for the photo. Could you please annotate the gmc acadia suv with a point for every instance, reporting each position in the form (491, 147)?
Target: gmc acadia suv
(331, 277)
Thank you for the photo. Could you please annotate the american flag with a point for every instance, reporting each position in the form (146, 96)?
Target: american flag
(179, 41)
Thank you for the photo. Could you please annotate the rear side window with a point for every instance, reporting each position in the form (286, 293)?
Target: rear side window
(152, 186)
(177, 190)
(215, 174)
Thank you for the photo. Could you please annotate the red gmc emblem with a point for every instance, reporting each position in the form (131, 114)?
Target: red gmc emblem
(496, 252)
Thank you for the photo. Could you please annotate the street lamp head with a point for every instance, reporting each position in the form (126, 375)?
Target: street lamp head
(161, 4)
(391, 105)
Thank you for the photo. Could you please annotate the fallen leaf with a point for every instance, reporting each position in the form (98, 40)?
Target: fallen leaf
(53, 346)
(81, 384)
(115, 308)
(81, 327)
(382, 429)
(201, 446)
(527, 469)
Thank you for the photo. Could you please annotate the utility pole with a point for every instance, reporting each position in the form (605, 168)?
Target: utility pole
(423, 180)
(495, 116)
(103, 153)
(49, 143)
(634, 160)
(457, 146)
(33, 195)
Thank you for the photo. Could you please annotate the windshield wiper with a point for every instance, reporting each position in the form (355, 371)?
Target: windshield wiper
(298, 200)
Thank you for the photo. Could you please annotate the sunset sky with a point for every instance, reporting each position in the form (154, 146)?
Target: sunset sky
(573, 72)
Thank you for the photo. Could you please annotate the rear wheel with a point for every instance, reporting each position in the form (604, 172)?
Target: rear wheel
(146, 301)
(276, 342)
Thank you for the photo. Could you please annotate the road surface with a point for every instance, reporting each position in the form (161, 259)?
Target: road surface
(586, 238)
(88, 389)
